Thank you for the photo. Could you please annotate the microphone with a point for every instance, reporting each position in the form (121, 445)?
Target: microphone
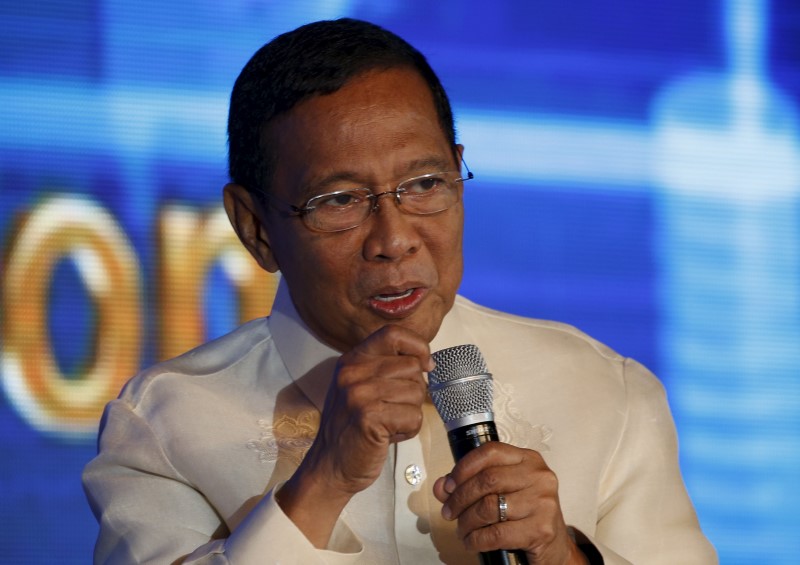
(461, 389)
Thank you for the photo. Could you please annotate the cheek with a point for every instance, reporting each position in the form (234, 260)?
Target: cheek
(444, 245)
(452, 273)
(299, 250)
(445, 239)
(456, 265)
(329, 263)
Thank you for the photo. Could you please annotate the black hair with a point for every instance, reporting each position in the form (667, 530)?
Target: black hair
(317, 58)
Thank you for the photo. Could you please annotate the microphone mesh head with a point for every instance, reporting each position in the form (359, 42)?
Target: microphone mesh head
(456, 400)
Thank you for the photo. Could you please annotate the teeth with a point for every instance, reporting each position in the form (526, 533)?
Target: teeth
(390, 297)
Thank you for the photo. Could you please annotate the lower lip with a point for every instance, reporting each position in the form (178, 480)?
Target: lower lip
(399, 308)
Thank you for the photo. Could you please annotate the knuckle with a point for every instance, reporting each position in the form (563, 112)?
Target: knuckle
(544, 532)
(488, 480)
(497, 447)
(407, 364)
(550, 481)
(357, 396)
(419, 393)
(549, 505)
(347, 373)
(550, 512)
(413, 366)
(532, 455)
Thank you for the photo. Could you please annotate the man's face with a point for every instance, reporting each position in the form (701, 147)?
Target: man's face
(378, 130)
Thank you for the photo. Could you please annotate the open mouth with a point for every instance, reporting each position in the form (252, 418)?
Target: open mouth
(397, 304)
(391, 297)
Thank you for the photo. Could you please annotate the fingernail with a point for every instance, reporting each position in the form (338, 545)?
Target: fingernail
(449, 485)
(446, 512)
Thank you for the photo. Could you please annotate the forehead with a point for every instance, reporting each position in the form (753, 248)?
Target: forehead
(378, 126)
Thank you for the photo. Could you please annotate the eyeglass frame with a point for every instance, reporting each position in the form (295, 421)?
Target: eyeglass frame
(302, 211)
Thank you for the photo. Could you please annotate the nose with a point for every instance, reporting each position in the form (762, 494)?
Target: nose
(391, 234)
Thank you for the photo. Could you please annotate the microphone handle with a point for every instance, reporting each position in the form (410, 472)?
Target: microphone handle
(462, 441)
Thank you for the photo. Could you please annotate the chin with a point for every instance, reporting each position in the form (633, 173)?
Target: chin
(429, 327)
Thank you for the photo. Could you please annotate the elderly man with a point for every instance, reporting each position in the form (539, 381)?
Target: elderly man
(308, 437)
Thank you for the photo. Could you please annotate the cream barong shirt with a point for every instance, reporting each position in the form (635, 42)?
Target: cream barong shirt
(192, 451)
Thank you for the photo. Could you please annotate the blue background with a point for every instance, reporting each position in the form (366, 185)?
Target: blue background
(623, 184)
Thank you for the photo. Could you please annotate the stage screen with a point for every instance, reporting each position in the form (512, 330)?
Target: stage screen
(637, 175)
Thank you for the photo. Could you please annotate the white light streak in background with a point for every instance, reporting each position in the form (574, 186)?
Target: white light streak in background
(727, 161)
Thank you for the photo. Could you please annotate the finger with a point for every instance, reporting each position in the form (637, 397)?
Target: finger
(533, 533)
(382, 369)
(397, 340)
(508, 481)
(492, 454)
(494, 468)
(477, 496)
(371, 394)
(505, 535)
(389, 407)
(486, 512)
(443, 487)
(391, 422)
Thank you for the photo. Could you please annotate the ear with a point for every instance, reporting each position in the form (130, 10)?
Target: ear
(459, 155)
(244, 213)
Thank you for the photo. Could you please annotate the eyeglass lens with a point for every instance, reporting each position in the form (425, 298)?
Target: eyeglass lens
(343, 210)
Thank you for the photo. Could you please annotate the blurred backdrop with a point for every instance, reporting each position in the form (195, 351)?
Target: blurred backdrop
(637, 174)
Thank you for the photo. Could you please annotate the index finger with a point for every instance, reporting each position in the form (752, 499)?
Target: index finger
(392, 339)
(491, 454)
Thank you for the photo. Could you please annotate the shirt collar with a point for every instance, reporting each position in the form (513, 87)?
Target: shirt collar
(310, 362)
(454, 329)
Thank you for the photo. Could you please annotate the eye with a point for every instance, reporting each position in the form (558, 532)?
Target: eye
(424, 185)
(338, 199)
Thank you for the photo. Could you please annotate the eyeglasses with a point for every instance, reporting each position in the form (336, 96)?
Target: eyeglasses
(346, 209)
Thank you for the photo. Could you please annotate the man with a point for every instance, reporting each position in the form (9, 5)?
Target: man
(308, 437)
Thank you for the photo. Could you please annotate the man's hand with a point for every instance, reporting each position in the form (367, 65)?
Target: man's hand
(534, 521)
(375, 399)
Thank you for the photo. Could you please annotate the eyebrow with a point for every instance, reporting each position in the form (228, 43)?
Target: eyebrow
(436, 164)
(319, 186)
(429, 164)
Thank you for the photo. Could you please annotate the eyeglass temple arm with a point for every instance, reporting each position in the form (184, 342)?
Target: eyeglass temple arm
(470, 176)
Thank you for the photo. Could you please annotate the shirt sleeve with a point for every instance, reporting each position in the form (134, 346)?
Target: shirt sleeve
(645, 514)
(149, 513)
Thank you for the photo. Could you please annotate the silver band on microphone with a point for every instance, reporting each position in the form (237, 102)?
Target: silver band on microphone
(435, 387)
(469, 420)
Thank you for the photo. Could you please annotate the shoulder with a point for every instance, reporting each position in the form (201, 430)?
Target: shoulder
(202, 367)
(519, 331)
(579, 394)
(552, 356)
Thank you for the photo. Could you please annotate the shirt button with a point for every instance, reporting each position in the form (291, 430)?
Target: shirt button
(413, 475)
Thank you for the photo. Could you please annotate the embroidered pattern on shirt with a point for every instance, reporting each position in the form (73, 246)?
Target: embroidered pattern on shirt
(512, 427)
(287, 437)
